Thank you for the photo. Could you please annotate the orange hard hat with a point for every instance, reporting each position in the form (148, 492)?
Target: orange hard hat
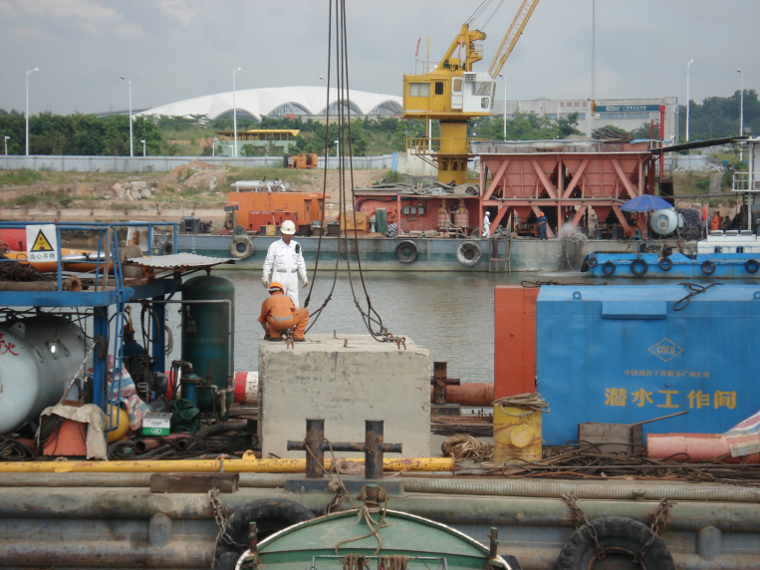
(276, 286)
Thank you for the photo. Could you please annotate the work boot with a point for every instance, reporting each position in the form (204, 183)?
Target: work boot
(273, 338)
(302, 339)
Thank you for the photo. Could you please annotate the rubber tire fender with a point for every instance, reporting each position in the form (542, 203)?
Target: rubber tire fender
(592, 261)
(401, 254)
(247, 244)
(616, 535)
(270, 516)
(752, 266)
(639, 267)
(464, 248)
(708, 267)
(665, 263)
(608, 268)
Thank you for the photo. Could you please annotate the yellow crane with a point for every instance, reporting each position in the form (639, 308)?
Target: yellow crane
(452, 93)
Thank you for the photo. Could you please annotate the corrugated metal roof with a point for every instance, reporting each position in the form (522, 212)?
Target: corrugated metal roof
(180, 260)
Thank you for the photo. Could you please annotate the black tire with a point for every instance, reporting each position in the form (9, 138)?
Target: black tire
(608, 268)
(752, 266)
(406, 251)
(241, 247)
(270, 516)
(469, 253)
(665, 263)
(708, 267)
(639, 267)
(616, 535)
(167, 248)
(592, 262)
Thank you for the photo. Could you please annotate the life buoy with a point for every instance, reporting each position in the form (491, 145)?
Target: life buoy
(639, 267)
(406, 251)
(241, 247)
(665, 263)
(708, 267)
(469, 253)
(270, 516)
(592, 261)
(616, 535)
(167, 248)
(608, 268)
(752, 266)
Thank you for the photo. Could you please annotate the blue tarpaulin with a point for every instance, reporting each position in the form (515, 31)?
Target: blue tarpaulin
(645, 203)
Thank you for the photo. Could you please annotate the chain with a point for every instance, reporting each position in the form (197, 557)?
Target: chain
(579, 518)
(221, 518)
(658, 526)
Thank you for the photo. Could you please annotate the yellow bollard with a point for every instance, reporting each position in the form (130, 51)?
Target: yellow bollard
(516, 434)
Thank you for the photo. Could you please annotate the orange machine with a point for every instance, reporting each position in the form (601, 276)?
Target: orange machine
(256, 209)
(307, 160)
(514, 340)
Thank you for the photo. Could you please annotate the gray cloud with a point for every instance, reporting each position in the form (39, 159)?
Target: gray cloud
(177, 49)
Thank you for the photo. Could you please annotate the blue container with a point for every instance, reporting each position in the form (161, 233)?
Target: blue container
(625, 354)
(207, 336)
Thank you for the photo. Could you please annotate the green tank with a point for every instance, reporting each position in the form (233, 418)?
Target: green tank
(381, 220)
(208, 337)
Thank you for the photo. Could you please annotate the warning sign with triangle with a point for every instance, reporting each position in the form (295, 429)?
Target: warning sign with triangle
(41, 243)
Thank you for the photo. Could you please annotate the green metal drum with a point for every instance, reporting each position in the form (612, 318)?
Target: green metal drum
(381, 220)
(208, 337)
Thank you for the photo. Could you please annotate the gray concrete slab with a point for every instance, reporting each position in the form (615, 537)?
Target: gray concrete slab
(344, 381)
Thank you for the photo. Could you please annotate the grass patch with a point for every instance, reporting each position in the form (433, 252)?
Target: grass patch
(21, 177)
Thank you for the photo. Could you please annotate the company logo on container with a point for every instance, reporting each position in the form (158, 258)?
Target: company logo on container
(666, 349)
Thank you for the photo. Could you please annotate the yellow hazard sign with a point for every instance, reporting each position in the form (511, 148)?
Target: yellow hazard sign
(41, 242)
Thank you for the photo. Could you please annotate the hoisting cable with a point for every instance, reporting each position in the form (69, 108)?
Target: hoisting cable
(478, 11)
(483, 27)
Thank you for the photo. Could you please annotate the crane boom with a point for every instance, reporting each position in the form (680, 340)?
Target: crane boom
(511, 37)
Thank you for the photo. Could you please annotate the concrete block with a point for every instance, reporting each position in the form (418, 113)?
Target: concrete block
(367, 380)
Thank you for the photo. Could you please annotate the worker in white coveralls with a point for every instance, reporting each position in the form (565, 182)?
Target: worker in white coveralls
(285, 262)
(487, 225)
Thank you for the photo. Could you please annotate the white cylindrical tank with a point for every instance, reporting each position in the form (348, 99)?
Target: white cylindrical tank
(39, 356)
(664, 222)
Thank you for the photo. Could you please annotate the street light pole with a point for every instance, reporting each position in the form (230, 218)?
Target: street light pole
(688, 101)
(234, 110)
(27, 107)
(505, 105)
(5, 139)
(323, 80)
(741, 117)
(143, 143)
(131, 148)
(213, 147)
(337, 152)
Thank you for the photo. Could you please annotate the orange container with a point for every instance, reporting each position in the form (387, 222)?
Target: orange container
(514, 340)
(68, 440)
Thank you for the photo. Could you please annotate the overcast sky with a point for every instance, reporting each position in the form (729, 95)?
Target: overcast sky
(178, 49)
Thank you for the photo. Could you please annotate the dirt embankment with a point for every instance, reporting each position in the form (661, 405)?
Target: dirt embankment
(197, 188)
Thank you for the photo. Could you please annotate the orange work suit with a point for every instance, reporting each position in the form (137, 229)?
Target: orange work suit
(279, 313)
(715, 222)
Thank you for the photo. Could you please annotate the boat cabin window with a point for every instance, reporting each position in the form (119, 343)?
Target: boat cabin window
(419, 90)
(439, 87)
(718, 250)
(740, 249)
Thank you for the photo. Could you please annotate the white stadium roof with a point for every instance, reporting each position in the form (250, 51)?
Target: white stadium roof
(280, 101)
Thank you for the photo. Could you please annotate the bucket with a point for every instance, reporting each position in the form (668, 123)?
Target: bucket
(516, 434)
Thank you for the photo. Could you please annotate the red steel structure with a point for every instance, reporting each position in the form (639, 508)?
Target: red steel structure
(565, 179)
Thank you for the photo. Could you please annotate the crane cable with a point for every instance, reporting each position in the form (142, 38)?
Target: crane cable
(370, 317)
(478, 11)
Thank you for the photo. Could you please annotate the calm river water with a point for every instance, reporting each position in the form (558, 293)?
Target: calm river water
(450, 314)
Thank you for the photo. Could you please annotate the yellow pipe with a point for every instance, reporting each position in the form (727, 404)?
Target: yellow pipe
(248, 464)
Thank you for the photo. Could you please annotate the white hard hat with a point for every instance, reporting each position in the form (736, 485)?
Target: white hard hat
(288, 227)
(488, 214)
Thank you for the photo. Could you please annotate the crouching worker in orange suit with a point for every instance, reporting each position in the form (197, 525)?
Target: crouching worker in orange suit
(279, 313)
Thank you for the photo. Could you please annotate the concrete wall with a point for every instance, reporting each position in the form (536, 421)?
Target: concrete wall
(166, 163)
(322, 379)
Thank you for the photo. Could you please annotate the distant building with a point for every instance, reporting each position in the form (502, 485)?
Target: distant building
(628, 114)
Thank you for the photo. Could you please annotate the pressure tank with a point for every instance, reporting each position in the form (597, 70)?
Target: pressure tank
(664, 222)
(382, 220)
(442, 219)
(39, 357)
(208, 335)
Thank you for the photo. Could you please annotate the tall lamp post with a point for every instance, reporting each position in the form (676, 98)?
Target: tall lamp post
(129, 84)
(5, 139)
(337, 152)
(27, 107)
(323, 80)
(688, 101)
(741, 117)
(143, 143)
(234, 111)
(505, 105)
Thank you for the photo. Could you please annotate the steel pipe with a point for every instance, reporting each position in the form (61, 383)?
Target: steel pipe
(474, 394)
(261, 480)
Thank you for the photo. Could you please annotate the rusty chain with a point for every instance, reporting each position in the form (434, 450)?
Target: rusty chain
(221, 518)
(579, 519)
(658, 526)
